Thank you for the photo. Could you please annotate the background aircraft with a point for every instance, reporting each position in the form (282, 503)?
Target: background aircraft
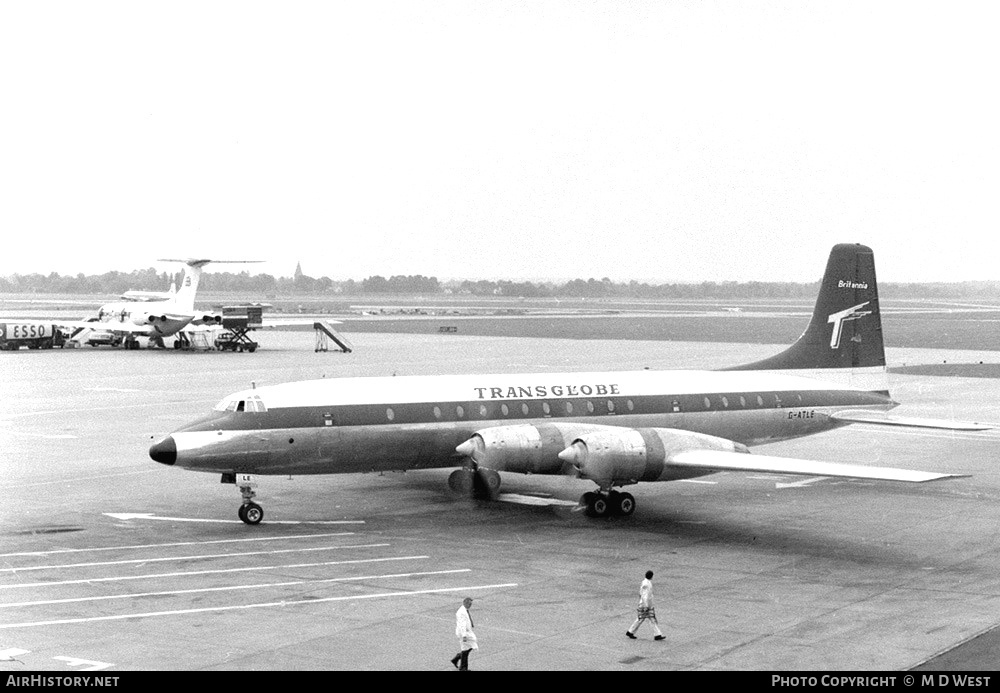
(152, 314)
(612, 428)
(158, 315)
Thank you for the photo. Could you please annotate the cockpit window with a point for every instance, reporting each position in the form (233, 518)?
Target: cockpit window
(249, 404)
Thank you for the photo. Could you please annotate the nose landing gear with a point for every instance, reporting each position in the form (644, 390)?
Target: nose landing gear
(249, 512)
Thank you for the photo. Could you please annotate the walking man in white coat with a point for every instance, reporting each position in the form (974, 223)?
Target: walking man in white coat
(466, 637)
(646, 611)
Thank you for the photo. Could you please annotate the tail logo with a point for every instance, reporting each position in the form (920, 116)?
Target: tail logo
(839, 318)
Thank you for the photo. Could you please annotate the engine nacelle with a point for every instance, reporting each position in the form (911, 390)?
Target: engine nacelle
(629, 455)
(147, 319)
(523, 448)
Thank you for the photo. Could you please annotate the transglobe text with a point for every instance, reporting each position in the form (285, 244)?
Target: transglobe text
(547, 391)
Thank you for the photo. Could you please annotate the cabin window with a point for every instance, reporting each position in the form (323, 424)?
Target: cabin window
(590, 407)
(630, 404)
(799, 398)
(743, 401)
(437, 412)
(708, 403)
(611, 406)
(505, 409)
(546, 408)
(524, 408)
(725, 402)
(777, 401)
(760, 401)
(390, 414)
(460, 411)
(569, 407)
(482, 410)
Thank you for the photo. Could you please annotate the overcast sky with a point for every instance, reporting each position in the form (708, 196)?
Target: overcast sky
(658, 141)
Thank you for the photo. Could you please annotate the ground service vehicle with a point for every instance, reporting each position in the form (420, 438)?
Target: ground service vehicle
(34, 335)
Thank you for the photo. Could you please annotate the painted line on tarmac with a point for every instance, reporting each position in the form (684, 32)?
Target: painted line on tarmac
(162, 559)
(78, 410)
(520, 499)
(263, 605)
(45, 436)
(82, 478)
(214, 571)
(132, 547)
(228, 588)
(151, 516)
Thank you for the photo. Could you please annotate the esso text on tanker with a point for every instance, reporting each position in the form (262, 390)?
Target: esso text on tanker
(13, 330)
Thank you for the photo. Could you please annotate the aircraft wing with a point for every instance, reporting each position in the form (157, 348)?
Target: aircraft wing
(122, 327)
(721, 461)
(883, 419)
(280, 323)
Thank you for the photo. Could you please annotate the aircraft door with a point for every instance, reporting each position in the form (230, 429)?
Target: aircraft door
(259, 437)
(258, 450)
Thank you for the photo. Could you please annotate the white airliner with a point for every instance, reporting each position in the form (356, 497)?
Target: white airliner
(160, 314)
(154, 314)
(613, 428)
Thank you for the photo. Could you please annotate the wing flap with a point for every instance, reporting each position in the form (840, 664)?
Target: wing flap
(741, 462)
(883, 419)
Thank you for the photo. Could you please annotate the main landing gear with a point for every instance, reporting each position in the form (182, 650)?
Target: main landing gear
(249, 512)
(475, 481)
(601, 504)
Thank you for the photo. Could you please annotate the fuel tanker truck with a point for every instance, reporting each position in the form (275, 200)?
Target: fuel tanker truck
(34, 335)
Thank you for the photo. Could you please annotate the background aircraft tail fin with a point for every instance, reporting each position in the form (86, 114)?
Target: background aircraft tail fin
(846, 326)
(184, 297)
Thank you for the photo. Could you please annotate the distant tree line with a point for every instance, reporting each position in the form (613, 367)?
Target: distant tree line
(115, 283)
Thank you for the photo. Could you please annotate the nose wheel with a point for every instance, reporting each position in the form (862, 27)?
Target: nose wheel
(251, 513)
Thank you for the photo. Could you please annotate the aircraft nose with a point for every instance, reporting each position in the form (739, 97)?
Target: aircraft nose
(164, 451)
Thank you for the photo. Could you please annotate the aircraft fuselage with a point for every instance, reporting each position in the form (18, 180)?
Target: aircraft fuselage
(316, 428)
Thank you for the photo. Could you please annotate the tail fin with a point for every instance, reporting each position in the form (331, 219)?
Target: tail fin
(846, 326)
(184, 297)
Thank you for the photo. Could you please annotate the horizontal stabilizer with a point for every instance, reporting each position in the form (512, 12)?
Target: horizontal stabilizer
(741, 462)
(880, 418)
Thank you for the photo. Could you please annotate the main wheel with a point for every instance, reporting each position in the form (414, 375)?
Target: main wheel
(461, 481)
(624, 504)
(597, 504)
(487, 483)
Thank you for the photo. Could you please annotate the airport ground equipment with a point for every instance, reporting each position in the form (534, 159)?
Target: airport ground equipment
(237, 323)
(326, 334)
(34, 335)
